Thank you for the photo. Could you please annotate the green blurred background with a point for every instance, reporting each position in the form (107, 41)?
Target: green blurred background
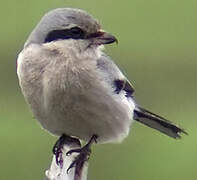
(157, 50)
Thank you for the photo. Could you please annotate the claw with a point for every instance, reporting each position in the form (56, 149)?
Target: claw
(57, 149)
(83, 156)
(58, 156)
(73, 151)
(70, 167)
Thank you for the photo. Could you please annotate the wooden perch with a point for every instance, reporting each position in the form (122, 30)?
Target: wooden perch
(59, 172)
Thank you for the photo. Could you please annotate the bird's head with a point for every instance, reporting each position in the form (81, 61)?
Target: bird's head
(69, 25)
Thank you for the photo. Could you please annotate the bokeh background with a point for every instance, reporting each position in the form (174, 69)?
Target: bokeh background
(157, 51)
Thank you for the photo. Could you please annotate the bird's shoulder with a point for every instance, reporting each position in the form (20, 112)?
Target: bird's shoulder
(113, 75)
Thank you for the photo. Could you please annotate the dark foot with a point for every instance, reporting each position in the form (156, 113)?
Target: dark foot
(57, 148)
(83, 156)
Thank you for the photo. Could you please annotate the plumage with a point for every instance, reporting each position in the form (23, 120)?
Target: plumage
(73, 87)
(157, 122)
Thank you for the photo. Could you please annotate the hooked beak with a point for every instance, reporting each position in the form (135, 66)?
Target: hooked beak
(102, 37)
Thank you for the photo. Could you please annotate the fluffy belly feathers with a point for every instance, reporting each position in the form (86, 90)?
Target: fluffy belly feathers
(75, 101)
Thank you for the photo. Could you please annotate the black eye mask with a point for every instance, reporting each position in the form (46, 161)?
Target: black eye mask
(73, 33)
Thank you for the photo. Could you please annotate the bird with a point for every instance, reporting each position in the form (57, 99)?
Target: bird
(74, 89)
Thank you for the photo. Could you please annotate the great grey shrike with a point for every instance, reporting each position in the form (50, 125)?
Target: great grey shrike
(73, 88)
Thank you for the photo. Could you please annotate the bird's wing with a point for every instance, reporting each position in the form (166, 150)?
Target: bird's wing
(120, 83)
(114, 76)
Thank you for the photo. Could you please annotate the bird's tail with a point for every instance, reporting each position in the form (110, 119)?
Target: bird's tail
(157, 122)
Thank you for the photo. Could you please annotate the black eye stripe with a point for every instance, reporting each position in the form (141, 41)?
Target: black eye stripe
(73, 33)
(76, 30)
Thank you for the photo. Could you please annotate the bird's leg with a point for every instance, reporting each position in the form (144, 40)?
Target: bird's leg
(83, 156)
(57, 148)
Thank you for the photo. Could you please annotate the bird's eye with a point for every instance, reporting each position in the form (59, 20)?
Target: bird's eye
(76, 33)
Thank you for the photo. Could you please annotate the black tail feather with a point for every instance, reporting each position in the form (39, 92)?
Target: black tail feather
(157, 122)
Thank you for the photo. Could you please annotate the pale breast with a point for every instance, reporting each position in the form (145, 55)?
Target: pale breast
(69, 94)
